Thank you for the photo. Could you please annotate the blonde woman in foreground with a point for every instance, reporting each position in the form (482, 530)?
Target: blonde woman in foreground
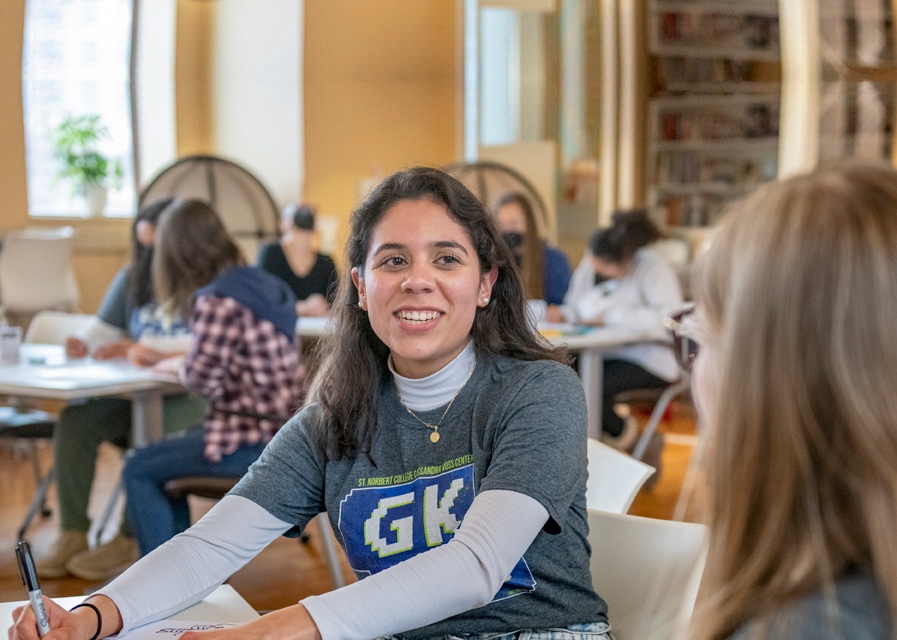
(797, 381)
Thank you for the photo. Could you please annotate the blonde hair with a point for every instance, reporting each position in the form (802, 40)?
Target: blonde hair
(799, 295)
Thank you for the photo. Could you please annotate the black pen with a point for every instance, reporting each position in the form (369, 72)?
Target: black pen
(29, 579)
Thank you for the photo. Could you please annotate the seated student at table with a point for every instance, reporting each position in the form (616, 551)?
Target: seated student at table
(794, 380)
(624, 282)
(311, 275)
(546, 270)
(435, 404)
(242, 358)
(127, 314)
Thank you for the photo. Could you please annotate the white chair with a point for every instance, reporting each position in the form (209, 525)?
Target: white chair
(614, 478)
(36, 270)
(53, 327)
(648, 571)
(676, 251)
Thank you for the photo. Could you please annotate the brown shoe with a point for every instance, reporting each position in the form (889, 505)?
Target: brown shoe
(106, 561)
(68, 544)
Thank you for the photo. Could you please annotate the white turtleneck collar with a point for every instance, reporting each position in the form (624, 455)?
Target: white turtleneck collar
(436, 390)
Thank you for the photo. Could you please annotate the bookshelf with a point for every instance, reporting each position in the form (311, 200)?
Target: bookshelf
(838, 61)
(713, 114)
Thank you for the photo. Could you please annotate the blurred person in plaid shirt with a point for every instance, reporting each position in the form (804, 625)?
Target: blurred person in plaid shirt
(243, 358)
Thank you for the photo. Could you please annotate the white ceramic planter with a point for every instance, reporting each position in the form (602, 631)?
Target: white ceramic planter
(95, 199)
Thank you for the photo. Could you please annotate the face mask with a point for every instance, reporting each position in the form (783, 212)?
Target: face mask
(513, 240)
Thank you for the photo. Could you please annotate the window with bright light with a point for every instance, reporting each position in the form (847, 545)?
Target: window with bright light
(76, 63)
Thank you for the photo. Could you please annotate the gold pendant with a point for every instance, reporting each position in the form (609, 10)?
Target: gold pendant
(434, 437)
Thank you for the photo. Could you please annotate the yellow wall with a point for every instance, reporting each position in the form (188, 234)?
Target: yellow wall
(379, 93)
(14, 208)
(101, 247)
(193, 51)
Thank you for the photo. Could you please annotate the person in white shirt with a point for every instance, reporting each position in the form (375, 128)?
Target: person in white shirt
(622, 281)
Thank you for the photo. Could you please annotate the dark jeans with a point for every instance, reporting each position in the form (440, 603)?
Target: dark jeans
(155, 517)
(620, 376)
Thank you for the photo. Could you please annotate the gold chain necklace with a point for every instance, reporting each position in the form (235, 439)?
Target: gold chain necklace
(434, 437)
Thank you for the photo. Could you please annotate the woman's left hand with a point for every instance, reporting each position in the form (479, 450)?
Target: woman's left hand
(144, 356)
(315, 305)
(293, 622)
(169, 365)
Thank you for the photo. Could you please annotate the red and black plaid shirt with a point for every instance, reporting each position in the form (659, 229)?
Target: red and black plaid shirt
(250, 373)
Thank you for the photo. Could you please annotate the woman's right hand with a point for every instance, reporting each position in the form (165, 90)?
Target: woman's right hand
(554, 314)
(75, 348)
(144, 356)
(64, 625)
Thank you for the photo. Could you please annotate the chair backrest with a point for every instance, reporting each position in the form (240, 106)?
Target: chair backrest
(53, 327)
(614, 478)
(648, 571)
(245, 205)
(676, 251)
(36, 270)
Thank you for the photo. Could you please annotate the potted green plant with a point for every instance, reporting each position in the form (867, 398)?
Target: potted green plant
(76, 146)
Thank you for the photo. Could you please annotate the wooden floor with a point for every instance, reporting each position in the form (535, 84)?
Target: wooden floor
(287, 570)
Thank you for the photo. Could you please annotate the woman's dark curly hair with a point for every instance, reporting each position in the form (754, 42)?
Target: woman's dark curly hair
(353, 359)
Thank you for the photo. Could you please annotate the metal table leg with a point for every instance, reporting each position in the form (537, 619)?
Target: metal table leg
(146, 417)
(591, 372)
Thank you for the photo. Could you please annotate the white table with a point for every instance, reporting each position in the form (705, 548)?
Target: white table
(591, 348)
(222, 605)
(311, 327)
(44, 372)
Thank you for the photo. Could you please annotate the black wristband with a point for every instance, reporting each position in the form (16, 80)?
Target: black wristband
(99, 618)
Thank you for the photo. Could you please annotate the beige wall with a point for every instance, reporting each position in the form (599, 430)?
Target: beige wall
(101, 248)
(379, 93)
(14, 210)
(193, 95)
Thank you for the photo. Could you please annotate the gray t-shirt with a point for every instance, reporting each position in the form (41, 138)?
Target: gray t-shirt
(516, 426)
(860, 613)
(115, 308)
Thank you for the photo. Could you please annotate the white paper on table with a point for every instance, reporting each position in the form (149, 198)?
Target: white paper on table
(171, 629)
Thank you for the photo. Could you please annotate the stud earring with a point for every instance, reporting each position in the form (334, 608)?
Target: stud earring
(485, 300)
(361, 304)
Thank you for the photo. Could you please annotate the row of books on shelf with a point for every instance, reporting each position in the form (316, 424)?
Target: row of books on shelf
(695, 210)
(686, 168)
(720, 122)
(675, 70)
(718, 30)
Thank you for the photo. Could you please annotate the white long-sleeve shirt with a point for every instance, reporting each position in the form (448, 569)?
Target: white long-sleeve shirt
(464, 573)
(641, 299)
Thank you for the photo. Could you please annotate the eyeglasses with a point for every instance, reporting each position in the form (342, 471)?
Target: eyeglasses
(687, 336)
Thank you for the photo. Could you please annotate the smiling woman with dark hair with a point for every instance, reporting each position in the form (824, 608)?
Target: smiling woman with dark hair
(435, 405)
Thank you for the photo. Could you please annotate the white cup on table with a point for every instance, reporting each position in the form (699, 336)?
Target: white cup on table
(10, 341)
